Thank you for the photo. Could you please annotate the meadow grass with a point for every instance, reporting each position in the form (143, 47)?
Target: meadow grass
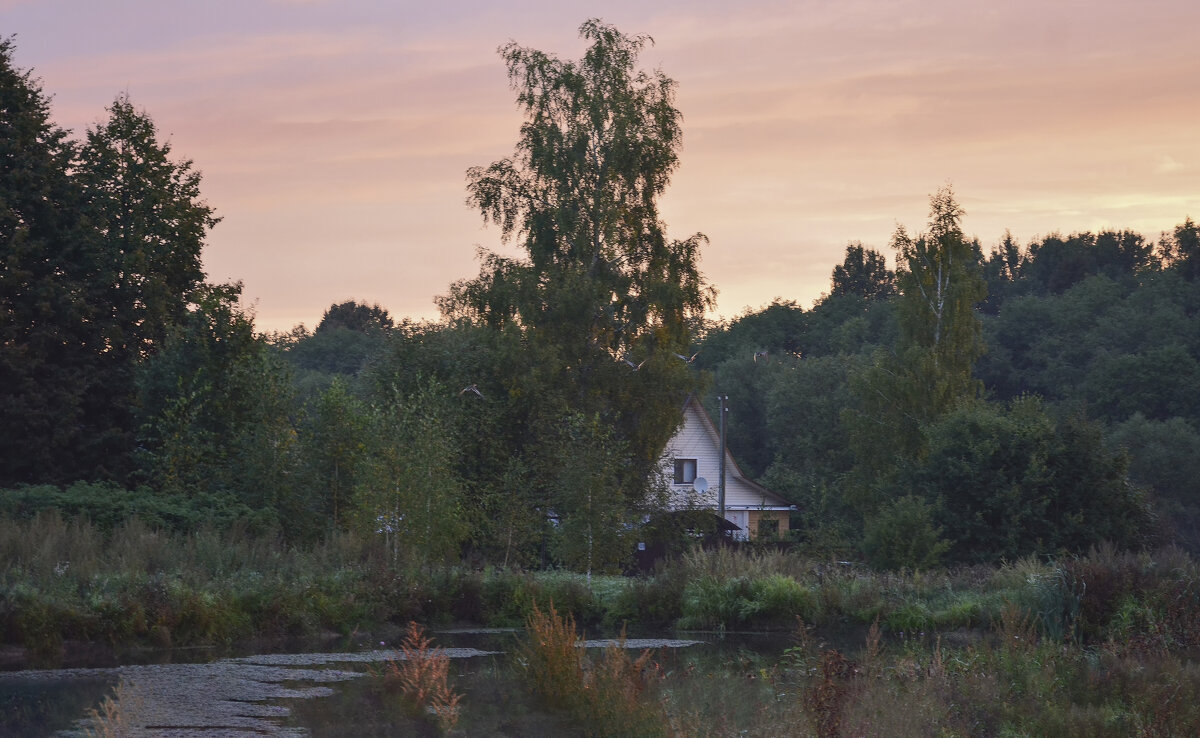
(1100, 644)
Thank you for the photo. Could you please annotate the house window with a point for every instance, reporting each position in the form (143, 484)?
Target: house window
(685, 471)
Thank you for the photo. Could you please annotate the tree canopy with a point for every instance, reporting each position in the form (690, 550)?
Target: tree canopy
(601, 290)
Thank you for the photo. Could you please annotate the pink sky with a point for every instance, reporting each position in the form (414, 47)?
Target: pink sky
(334, 136)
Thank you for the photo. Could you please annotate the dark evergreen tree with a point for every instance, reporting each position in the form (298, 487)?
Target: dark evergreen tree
(63, 398)
(151, 222)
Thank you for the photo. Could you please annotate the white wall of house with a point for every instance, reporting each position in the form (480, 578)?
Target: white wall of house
(698, 438)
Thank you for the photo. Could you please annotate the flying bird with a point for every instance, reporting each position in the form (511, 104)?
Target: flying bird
(687, 359)
(472, 389)
(635, 366)
(757, 354)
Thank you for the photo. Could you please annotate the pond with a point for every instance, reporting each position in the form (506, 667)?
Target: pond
(319, 693)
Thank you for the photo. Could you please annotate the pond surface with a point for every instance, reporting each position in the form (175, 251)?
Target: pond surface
(285, 694)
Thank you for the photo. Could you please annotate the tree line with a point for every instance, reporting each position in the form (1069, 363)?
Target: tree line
(973, 406)
(965, 407)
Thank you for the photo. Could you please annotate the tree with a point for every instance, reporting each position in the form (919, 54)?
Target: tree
(1182, 249)
(940, 283)
(355, 316)
(1009, 482)
(150, 218)
(334, 441)
(930, 372)
(864, 272)
(587, 501)
(215, 409)
(62, 391)
(600, 284)
(101, 248)
(407, 489)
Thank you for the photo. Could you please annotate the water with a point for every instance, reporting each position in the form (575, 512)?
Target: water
(282, 694)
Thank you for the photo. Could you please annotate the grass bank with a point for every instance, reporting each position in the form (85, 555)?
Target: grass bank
(68, 580)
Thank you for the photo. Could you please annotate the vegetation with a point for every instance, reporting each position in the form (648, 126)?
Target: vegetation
(422, 678)
(1001, 442)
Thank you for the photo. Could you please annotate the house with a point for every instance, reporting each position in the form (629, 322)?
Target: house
(691, 470)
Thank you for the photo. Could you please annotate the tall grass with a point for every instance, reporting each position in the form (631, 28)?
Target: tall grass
(66, 580)
(115, 715)
(423, 679)
(612, 696)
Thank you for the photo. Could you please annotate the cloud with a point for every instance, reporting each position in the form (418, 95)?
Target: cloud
(1168, 165)
(333, 137)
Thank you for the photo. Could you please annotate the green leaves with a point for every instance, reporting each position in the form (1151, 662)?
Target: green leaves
(600, 301)
(100, 244)
(407, 488)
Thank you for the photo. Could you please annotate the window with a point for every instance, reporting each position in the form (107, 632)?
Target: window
(685, 471)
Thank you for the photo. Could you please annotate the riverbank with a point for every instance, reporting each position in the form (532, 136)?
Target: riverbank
(65, 584)
(1108, 640)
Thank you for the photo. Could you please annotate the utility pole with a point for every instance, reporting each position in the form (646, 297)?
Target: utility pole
(721, 480)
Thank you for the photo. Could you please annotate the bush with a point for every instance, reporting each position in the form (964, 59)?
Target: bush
(902, 535)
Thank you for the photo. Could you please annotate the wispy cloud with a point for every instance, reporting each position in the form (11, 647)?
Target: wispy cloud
(334, 136)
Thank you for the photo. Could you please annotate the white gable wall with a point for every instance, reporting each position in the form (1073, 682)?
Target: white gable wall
(696, 439)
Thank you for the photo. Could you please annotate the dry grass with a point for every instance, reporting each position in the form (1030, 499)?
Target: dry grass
(614, 696)
(115, 715)
(423, 678)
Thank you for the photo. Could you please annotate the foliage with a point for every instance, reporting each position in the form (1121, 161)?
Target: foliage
(354, 316)
(108, 507)
(601, 290)
(64, 395)
(101, 245)
(148, 211)
(709, 602)
(903, 534)
(864, 272)
(216, 408)
(930, 371)
(586, 496)
(1009, 482)
(332, 442)
(116, 714)
(406, 488)
(422, 677)
(1182, 249)
(1165, 456)
(613, 697)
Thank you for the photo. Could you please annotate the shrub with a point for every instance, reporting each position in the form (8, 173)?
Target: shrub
(902, 535)
(782, 599)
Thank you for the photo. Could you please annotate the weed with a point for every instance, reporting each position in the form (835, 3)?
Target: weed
(611, 697)
(116, 714)
(422, 677)
(826, 700)
(550, 658)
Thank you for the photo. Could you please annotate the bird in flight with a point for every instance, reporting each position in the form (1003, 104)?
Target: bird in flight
(757, 354)
(688, 359)
(472, 389)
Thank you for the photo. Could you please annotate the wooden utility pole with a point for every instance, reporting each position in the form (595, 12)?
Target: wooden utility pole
(721, 480)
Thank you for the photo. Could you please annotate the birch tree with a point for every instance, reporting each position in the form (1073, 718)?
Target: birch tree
(940, 280)
(601, 294)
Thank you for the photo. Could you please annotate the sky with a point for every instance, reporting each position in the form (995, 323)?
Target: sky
(334, 136)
